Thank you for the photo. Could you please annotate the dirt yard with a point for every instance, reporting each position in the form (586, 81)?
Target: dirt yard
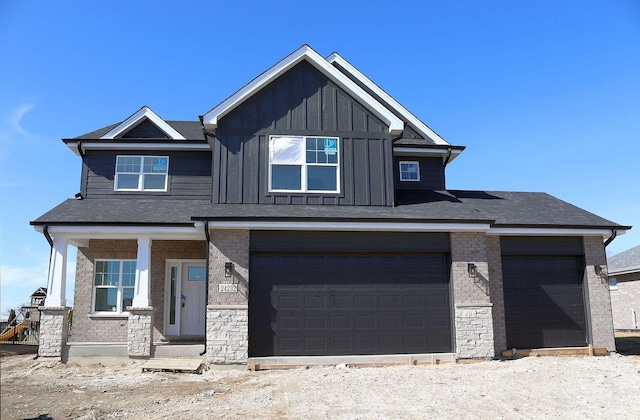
(540, 387)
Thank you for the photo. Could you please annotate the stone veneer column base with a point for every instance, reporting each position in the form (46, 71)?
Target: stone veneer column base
(474, 331)
(54, 328)
(227, 334)
(140, 332)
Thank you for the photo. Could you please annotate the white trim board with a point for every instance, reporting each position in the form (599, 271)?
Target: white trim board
(336, 60)
(211, 118)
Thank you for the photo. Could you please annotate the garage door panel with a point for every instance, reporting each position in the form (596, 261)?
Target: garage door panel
(544, 302)
(349, 304)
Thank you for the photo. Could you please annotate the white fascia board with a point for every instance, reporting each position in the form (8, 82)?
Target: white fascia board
(422, 127)
(418, 151)
(83, 233)
(144, 112)
(351, 226)
(211, 118)
(551, 232)
(136, 146)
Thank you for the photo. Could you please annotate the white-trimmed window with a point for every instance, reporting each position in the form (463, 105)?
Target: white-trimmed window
(613, 283)
(141, 173)
(304, 164)
(409, 171)
(113, 285)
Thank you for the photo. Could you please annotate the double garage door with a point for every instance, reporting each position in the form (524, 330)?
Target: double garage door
(333, 293)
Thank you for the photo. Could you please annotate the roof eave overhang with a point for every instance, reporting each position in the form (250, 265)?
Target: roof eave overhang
(152, 144)
(210, 119)
(429, 151)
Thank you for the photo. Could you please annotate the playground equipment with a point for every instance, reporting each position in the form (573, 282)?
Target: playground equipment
(9, 332)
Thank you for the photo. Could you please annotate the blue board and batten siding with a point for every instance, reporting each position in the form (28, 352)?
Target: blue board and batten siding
(189, 175)
(302, 102)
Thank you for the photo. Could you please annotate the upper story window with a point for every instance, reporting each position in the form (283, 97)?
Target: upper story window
(141, 173)
(304, 164)
(613, 283)
(113, 285)
(409, 171)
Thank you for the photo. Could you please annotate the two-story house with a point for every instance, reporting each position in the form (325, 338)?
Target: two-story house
(307, 215)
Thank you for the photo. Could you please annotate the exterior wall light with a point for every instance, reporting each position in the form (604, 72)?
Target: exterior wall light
(599, 270)
(228, 269)
(472, 270)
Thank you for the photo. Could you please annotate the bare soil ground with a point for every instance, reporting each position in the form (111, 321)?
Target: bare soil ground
(540, 387)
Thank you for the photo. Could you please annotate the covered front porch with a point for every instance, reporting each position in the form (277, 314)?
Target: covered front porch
(139, 292)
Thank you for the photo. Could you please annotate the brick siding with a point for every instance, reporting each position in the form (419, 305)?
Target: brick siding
(624, 299)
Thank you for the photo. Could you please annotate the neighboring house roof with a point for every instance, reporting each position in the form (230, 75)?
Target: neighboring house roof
(42, 291)
(624, 262)
(503, 209)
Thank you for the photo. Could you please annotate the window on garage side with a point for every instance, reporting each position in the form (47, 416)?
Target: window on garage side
(141, 173)
(409, 171)
(113, 285)
(304, 164)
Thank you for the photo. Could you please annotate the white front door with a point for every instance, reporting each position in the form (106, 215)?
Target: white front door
(185, 298)
(192, 297)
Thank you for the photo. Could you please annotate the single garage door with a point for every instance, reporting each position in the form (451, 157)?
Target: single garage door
(370, 301)
(543, 294)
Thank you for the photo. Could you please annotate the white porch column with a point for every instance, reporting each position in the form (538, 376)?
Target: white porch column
(142, 295)
(57, 277)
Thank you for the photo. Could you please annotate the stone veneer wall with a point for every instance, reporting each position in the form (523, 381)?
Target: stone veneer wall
(227, 312)
(227, 334)
(624, 299)
(471, 296)
(599, 298)
(54, 328)
(140, 332)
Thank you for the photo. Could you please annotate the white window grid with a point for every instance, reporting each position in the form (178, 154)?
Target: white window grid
(119, 287)
(140, 169)
(405, 170)
(304, 165)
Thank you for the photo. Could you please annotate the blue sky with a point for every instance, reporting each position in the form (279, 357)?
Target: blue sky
(544, 94)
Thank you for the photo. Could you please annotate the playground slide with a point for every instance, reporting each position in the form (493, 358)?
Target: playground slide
(11, 331)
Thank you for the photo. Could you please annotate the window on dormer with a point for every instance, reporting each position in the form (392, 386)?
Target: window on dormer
(304, 164)
(409, 171)
(141, 173)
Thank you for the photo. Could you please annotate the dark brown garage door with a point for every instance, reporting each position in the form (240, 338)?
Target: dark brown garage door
(544, 302)
(311, 303)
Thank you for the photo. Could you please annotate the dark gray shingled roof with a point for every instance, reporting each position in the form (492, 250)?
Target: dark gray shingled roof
(190, 130)
(507, 209)
(626, 261)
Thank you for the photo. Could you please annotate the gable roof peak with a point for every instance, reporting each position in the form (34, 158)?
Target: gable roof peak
(137, 117)
(352, 72)
(308, 54)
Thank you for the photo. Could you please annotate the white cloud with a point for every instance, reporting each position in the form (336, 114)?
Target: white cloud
(15, 119)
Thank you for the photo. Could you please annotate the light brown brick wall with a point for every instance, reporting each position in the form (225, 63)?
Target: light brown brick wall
(229, 246)
(469, 248)
(496, 288)
(85, 328)
(94, 329)
(599, 297)
(624, 299)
